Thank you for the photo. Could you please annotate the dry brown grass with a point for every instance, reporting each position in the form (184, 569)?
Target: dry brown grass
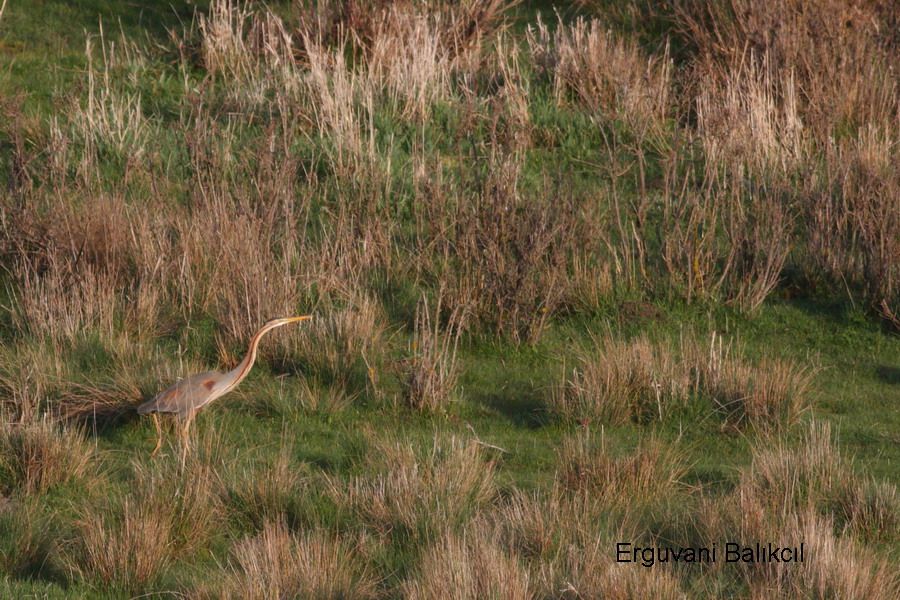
(591, 283)
(432, 370)
(769, 395)
(342, 345)
(617, 381)
(252, 49)
(772, 394)
(724, 237)
(330, 399)
(418, 496)
(111, 121)
(191, 496)
(279, 564)
(815, 475)
(591, 573)
(507, 253)
(127, 550)
(463, 26)
(44, 377)
(37, 455)
(837, 50)
(267, 495)
(750, 118)
(564, 539)
(410, 60)
(172, 512)
(469, 566)
(60, 304)
(564, 534)
(806, 492)
(27, 372)
(854, 219)
(653, 471)
(837, 567)
(784, 86)
(604, 73)
(31, 546)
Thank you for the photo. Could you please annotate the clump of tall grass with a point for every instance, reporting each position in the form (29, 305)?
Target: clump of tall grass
(506, 254)
(563, 538)
(128, 549)
(129, 543)
(585, 465)
(723, 237)
(112, 123)
(591, 284)
(617, 381)
(469, 566)
(190, 496)
(768, 395)
(279, 564)
(38, 455)
(792, 88)
(242, 262)
(264, 496)
(794, 495)
(432, 369)
(28, 547)
(563, 534)
(27, 373)
(64, 300)
(591, 572)
(48, 377)
(463, 26)
(854, 223)
(408, 58)
(251, 49)
(837, 565)
(604, 73)
(304, 395)
(342, 345)
(830, 46)
(749, 117)
(814, 474)
(417, 496)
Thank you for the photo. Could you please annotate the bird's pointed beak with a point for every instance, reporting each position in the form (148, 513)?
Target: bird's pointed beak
(296, 319)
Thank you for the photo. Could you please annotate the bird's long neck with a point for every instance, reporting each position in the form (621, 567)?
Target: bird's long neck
(237, 374)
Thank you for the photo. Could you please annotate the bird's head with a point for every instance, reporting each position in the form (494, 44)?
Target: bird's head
(285, 320)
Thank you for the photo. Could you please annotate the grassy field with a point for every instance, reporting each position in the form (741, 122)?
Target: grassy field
(626, 272)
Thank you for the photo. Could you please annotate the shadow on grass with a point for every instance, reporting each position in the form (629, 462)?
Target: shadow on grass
(522, 404)
(890, 375)
(102, 420)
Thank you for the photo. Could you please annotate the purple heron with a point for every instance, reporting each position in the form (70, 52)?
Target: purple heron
(187, 396)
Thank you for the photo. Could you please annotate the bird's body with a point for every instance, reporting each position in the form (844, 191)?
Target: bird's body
(189, 395)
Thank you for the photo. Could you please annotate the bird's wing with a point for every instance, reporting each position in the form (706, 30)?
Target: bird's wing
(184, 396)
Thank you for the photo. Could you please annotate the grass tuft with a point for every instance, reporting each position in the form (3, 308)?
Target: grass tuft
(279, 564)
(36, 456)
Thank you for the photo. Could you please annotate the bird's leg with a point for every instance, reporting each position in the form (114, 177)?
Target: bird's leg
(187, 426)
(158, 434)
(185, 439)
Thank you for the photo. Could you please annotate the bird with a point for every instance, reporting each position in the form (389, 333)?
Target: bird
(187, 396)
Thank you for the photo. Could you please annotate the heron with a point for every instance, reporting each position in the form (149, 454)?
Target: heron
(187, 396)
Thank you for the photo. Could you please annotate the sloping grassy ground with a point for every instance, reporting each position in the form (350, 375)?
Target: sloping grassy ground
(168, 192)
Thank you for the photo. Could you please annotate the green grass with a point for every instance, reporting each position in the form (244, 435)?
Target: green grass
(503, 388)
(504, 391)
